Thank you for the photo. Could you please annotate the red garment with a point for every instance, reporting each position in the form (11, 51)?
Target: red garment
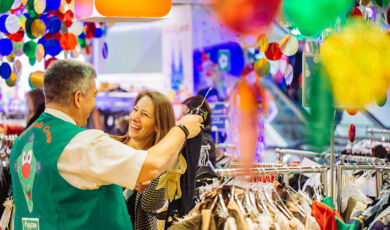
(324, 215)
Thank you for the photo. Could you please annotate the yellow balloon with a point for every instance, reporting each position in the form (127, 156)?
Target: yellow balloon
(357, 63)
(11, 81)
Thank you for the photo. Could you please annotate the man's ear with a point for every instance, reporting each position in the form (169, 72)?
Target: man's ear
(77, 99)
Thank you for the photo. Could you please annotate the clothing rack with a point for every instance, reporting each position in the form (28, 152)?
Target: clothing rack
(379, 169)
(309, 154)
(276, 170)
(385, 134)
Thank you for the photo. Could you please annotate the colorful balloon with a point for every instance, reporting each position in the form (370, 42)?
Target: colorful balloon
(5, 70)
(289, 74)
(3, 19)
(35, 79)
(53, 24)
(53, 5)
(5, 5)
(11, 81)
(40, 52)
(48, 61)
(262, 67)
(262, 42)
(6, 46)
(38, 28)
(17, 37)
(357, 80)
(289, 45)
(352, 133)
(273, 52)
(105, 50)
(381, 101)
(53, 47)
(18, 48)
(40, 6)
(17, 67)
(247, 16)
(352, 111)
(68, 41)
(12, 24)
(30, 49)
(311, 17)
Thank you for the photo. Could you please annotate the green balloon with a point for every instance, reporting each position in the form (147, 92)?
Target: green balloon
(5, 5)
(381, 101)
(30, 48)
(82, 42)
(322, 110)
(32, 61)
(31, 9)
(313, 16)
(29, 22)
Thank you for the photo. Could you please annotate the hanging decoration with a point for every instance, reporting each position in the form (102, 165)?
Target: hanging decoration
(352, 133)
(41, 30)
(262, 67)
(357, 80)
(310, 17)
(381, 101)
(247, 16)
(36, 79)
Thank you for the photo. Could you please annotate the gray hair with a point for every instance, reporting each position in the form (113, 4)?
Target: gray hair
(64, 77)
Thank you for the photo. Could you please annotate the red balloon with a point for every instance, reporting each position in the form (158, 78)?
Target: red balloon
(247, 16)
(356, 12)
(68, 18)
(273, 52)
(68, 41)
(56, 36)
(90, 30)
(16, 37)
(352, 132)
(50, 60)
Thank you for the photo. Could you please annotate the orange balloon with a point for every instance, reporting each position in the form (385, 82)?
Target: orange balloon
(352, 111)
(68, 41)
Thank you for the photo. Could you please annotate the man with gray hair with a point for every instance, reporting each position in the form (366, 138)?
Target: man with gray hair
(67, 177)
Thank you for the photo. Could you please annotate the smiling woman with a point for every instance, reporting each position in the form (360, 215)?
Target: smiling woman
(150, 120)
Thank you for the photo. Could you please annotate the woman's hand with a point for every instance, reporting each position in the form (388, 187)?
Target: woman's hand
(141, 186)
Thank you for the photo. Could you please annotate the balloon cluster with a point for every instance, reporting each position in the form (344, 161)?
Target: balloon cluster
(41, 30)
(273, 51)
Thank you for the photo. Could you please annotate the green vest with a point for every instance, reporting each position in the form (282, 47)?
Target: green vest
(43, 199)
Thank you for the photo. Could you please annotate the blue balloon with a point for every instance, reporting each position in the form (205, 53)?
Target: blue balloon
(6, 46)
(82, 36)
(98, 33)
(2, 23)
(53, 47)
(5, 70)
(42, 41)
(53, 24)
(53, 5)
(44, 17)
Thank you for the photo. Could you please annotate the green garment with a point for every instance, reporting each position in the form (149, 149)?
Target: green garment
(340, 224)
(43, 199)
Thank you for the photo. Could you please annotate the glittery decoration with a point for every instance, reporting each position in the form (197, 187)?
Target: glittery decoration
(40, 6)
(30, 49)
(75, 52)
(381, 101)
(40, 52)
(5, 70)
(5, 5)
(35, 79)
(11, 81)
(53, 5)
(289, 45)
(38, 28)
(12, 24)
(18, 48)
(289, 75)
(262, 42)
(11, 57)
(53, 47)
(17, 67)
(262, 67)
(48, 61)
(76, 28)
(6, 46)
(273, 52)
(105, 50)
(17, 37)
(53, 24)
(68, 41)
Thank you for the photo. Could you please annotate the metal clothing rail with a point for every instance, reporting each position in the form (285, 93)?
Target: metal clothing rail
(371, 133)
(276, 170)
(310, 154)
(8, 137)
(379, 169)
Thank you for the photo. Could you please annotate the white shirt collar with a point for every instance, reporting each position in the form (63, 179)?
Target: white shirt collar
(60, 115)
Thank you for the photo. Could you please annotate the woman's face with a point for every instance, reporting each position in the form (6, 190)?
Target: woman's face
(142, 121)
